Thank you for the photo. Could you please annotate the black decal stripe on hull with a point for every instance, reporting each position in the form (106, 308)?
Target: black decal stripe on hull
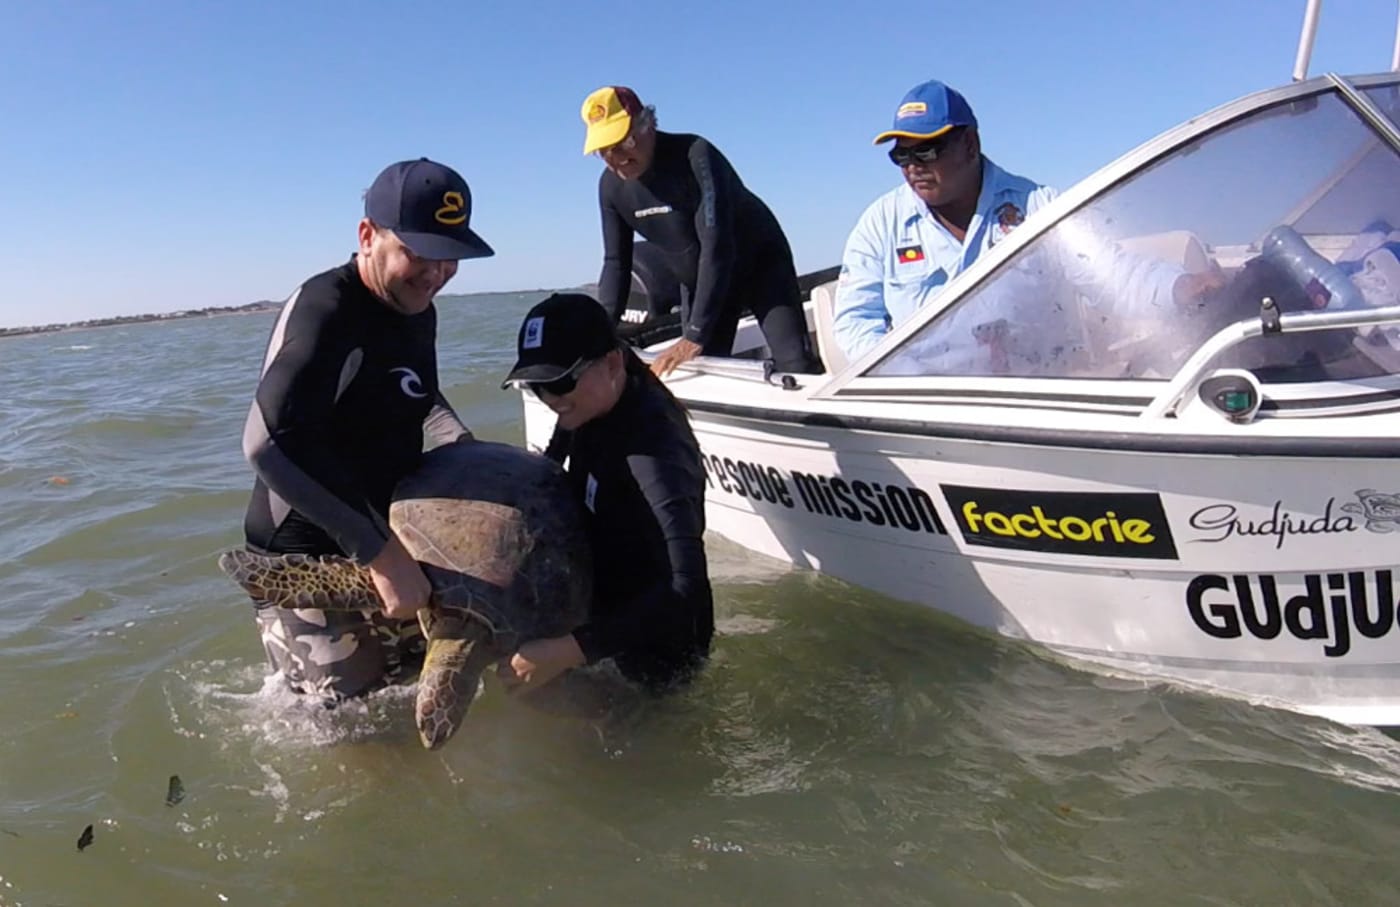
(1342, 448)
(1030, 397)
(1128, 406)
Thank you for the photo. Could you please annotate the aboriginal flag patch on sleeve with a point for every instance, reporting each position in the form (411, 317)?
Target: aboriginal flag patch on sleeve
(908, 254)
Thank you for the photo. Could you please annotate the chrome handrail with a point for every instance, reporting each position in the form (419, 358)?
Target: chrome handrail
(1190, 373)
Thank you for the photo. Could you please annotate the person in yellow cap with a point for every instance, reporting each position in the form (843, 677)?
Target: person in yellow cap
(721, 241)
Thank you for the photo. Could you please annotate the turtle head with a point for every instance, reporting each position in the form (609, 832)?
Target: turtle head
(328, 582)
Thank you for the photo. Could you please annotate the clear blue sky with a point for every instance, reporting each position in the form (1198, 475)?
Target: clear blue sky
(161, 155)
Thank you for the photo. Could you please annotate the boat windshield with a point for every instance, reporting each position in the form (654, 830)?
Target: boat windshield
(1387, 100)
(1298, 201)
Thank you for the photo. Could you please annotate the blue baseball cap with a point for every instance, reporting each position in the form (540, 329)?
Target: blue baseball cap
(928, 111)
(428, 206)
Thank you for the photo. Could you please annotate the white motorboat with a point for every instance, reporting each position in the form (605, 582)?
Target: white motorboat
(1206, 493)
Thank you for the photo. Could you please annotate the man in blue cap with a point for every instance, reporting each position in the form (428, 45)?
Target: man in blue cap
(348, 391)
(954, 205)
(915, 238)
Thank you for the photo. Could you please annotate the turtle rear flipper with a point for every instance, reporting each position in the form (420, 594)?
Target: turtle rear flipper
(448, 683)
(327, 582)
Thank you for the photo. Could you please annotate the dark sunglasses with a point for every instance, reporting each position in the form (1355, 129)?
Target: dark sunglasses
(564, 384)
(925, 152)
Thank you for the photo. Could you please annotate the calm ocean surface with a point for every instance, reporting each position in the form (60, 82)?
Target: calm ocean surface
(841, 749)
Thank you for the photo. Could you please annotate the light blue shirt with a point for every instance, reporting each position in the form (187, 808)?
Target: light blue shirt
(900, 257)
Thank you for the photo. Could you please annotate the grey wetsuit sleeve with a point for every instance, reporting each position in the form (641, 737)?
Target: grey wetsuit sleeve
(312, 357)
(442, 425)
(714, 229)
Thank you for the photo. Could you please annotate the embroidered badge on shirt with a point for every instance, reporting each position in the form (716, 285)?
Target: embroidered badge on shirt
(590, 492)
(1008, 216)
(909, 254)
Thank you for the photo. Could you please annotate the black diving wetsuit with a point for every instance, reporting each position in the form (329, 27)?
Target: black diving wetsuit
(637, 471)
(339, 417)
(348, 389)
(719, 239)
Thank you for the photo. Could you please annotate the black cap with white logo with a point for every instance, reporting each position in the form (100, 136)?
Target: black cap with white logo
(557, 334)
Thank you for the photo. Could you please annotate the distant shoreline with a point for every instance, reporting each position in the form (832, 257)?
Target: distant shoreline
(137, 319)
(209, 312)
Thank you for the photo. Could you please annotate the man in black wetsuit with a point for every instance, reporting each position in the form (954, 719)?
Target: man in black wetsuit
(723, 244)
(349, 388)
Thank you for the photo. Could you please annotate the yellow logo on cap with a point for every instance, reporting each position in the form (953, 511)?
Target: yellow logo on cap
(911, 109)
(451, 212)
(596, 113)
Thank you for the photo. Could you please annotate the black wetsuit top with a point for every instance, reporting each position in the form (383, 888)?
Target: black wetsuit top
(348, 388)
(637, 470)
(691, 205)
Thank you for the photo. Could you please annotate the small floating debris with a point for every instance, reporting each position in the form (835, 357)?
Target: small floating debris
(58, 480)
(13, 834)
(85, 838)
(175, 792)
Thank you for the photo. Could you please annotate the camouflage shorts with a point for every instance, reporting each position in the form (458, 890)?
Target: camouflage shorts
(340, 654)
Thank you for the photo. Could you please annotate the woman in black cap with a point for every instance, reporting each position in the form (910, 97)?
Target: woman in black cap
(634, 463)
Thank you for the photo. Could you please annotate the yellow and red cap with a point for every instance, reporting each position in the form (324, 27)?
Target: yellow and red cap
(608, 114)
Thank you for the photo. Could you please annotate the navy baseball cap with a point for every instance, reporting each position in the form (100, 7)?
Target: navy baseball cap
(557, 334)
(428, 206)
(928, 111)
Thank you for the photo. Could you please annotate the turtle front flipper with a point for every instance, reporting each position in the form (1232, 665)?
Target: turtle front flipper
(327, 582)
(448, 683)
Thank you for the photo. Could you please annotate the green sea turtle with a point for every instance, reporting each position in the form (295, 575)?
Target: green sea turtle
(500, 537)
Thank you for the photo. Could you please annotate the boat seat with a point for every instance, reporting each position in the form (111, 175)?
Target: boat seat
(1180, 247)
(824, 312)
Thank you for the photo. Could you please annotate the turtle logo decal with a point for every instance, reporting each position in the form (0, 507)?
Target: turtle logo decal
(1381, 511)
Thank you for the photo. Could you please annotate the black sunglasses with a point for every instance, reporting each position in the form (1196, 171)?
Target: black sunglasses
(564, 384)
(924, 152)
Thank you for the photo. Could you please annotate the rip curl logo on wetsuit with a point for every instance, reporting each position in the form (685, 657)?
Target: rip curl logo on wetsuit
(452, 212)
(410, 383)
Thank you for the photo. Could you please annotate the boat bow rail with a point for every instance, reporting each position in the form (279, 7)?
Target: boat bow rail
(1199, 366)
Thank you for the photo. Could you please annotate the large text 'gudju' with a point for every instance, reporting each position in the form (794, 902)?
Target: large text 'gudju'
(1332, 607)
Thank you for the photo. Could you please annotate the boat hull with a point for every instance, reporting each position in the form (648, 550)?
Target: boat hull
(1273, 578)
